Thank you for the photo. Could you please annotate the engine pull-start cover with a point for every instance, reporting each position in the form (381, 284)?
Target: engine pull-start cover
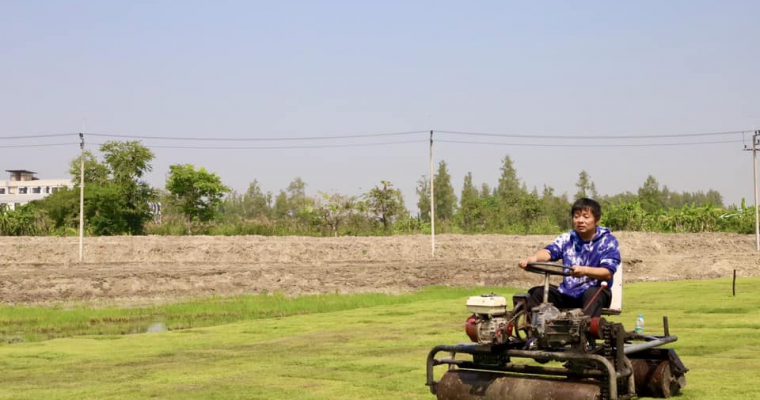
(487, 304)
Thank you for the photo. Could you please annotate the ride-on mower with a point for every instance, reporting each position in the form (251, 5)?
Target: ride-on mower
(599, 359)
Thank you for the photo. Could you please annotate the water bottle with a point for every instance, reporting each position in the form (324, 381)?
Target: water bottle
(640, 325)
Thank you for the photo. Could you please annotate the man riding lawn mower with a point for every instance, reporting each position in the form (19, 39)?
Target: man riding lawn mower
(599, 359)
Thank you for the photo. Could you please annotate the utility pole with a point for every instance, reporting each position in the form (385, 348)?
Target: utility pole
(432, 200)
(754, 175)
(754, 149)
(81, 197)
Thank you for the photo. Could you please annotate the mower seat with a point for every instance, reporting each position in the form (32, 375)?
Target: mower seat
(616, 304)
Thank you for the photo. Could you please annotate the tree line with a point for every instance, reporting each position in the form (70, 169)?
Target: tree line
(195, 201)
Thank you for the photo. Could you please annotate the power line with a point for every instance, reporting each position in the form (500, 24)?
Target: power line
(587, 145)
(383, 134)
(37, 136)
(258, 139)
(317, 146)
(36, 145)
(599, 137)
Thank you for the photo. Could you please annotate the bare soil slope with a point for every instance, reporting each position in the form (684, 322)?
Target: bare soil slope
(146, 269)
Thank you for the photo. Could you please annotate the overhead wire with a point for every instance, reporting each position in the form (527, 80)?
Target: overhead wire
(258, 139)
(595, 137)
(37, 145)
(626, 138)
(50, 135)
(317, 146)
(586, 144)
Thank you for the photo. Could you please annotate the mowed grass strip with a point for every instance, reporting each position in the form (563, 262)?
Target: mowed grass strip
(374, 350)
(24, 323)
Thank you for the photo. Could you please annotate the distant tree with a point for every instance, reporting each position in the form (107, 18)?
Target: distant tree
(25, 220)
(650, 196)
(445, 199)
(281, 206)
(116, 199)
(295, 204)
(530, 209)
(671, 199)
(621, 198)
(108, 212)
(586, 187)
(509, 194)
(508, 189)
(700, 199)
(556, 208)
(335, 209)
(297, 193)
(490, 209)
(197, 193)
(469, 205)
(127, 161)
(713, 198)
(386, 203)
(62, 207)
(255, 202)
(486, 191)
(95, 173)
(423, 198)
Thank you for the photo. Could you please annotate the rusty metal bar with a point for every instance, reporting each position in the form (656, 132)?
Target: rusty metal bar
(593, 300)
(525, 369)
(650, 344)
(460, 348)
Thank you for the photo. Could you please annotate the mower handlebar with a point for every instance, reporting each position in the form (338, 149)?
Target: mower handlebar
(549, 269)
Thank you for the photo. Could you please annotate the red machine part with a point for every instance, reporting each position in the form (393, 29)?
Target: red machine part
(595, 328)
(471, 328)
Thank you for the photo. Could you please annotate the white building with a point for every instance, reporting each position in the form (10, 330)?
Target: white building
(23, 187)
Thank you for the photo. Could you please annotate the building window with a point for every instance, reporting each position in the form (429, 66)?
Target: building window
(2, 190)
(55, 189)
(22, 190)
(37, 190)
(47, 189)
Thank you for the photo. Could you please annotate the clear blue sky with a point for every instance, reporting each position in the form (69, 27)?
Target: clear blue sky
(273, 69)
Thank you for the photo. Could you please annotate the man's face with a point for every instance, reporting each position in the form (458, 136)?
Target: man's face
(584, 222)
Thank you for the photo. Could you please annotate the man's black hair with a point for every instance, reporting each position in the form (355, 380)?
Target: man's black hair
(585, 203)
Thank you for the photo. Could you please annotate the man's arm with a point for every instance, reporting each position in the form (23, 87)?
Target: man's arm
(610, 262)
(600, 273)
(542, 255)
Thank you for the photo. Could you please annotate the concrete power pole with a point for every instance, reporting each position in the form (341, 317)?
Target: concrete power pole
(754, 149)
(754, 175)
(432, 200)
(81, 197)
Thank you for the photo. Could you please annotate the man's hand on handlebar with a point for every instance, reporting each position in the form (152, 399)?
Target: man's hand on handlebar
(540, 256)
(524, 263)
(579, 271)
(602, 274)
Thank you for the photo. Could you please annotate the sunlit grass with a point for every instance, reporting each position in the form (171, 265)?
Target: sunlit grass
(20, 324)
(344, 347)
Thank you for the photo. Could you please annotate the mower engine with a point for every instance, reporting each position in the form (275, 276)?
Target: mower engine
(488, 323)
(555, 329)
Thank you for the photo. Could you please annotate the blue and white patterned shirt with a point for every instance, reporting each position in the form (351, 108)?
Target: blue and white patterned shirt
(602, 252)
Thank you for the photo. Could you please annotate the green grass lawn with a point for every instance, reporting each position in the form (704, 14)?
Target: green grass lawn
(332, 347)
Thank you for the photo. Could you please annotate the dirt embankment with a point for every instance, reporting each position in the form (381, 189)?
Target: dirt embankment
(144, 269)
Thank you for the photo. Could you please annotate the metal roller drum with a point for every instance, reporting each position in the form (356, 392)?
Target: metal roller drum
(482, 385)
